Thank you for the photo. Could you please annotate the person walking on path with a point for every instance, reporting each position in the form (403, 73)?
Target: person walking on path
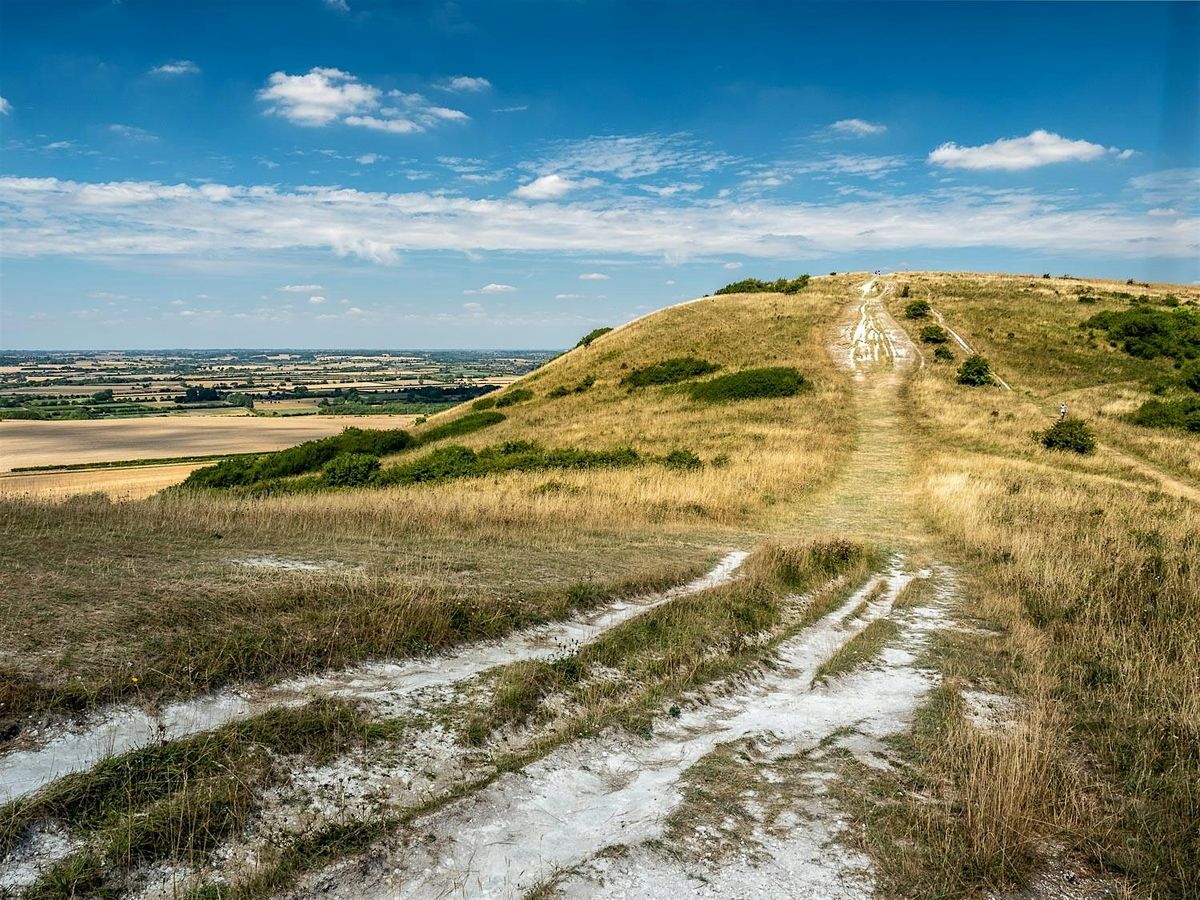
(1062, 411)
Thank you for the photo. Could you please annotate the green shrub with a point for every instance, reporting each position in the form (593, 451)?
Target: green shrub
(586, 340)
(20, 413)
(350, 469)
(748, 384)
(754, 286)
(514, 396)
(1184, 413)
(943, 354)
(1191, 376)
(446, 463)
(934, 334)
(561, 391)
(1069, 434)
(683, 460)
(585, 384)
(484, 403)
(669, 371)
(975, 371)
(917, 309)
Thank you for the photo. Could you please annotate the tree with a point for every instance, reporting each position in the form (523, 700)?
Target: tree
(104, 396)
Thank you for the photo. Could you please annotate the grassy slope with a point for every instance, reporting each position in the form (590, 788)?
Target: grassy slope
(97, 592)
(1092, 575)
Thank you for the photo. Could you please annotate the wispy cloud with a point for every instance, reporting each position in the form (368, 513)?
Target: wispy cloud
(338, 5)
(324, 96)
(132, 133)
(629, 157)
(855, 128)
(300, 288)
(176, 67)
(5, 107)
(1038, 148)
(593, 276)
(53, 217)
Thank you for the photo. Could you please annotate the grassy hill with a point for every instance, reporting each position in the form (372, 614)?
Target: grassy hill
(809, 428)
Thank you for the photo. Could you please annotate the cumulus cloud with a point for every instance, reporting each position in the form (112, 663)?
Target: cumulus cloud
(324, 96)
(855, 128)
(316, 300)
(464, 84)
(551, 187)
(54, 217)
(5, 107)
(493, 288)
(593, 276)
(176, 67)
(1038, 148)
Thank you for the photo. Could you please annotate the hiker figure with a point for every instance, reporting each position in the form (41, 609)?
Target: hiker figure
(1062, 411)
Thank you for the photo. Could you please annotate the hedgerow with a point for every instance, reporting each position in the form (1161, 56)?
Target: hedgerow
(456, 461)
(1148, 333)
(748, 384)
(1183, 413)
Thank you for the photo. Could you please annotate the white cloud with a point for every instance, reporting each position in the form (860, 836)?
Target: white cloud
(354, 311)
(176, 67)
(1038, 148)
(855, 128)
(324, 96)
(464, 84)
(510, 109)
(669, 282)
(368, 159)
(493, 288)
(5, 107)
(319, 97)
(59, 145)
(1169, 186)
(593, 276)
(132, 133)
(338, 5)
(551, 187)
(316, 300)
(299, 288)
(670, 190)
(568, 296)
(473, 306)
(53, 217)
(732, 265)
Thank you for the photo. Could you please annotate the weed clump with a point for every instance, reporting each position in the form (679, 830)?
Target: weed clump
(484, 403)
(683, 460)
(943, 354)
(669, 371)
(583, 386)
(917, 309)
(975, 371)
(749, 384)
(754, 286)
(1069, 434)
(586, 340)
(935, 334)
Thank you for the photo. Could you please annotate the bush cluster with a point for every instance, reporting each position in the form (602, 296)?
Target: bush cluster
(669, 371)
(585, 384)
(586, 340)
(307, 457)
(975, 371)
(943, 354)
(1148, 333)
(748, 384)
(754, 286)
(1069, 434)
(1183, 413)
(917, 309)
(350, 469)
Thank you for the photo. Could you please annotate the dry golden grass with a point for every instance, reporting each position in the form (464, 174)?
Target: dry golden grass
(118, 483)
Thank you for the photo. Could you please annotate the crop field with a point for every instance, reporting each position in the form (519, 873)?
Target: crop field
(800, 588)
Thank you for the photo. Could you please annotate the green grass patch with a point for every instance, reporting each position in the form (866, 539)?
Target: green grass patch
(859, 650)
(513, 397)
(468, 424)
(750, 384)
(669, 371)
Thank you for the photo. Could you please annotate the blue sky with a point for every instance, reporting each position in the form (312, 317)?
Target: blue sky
(350, 173)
